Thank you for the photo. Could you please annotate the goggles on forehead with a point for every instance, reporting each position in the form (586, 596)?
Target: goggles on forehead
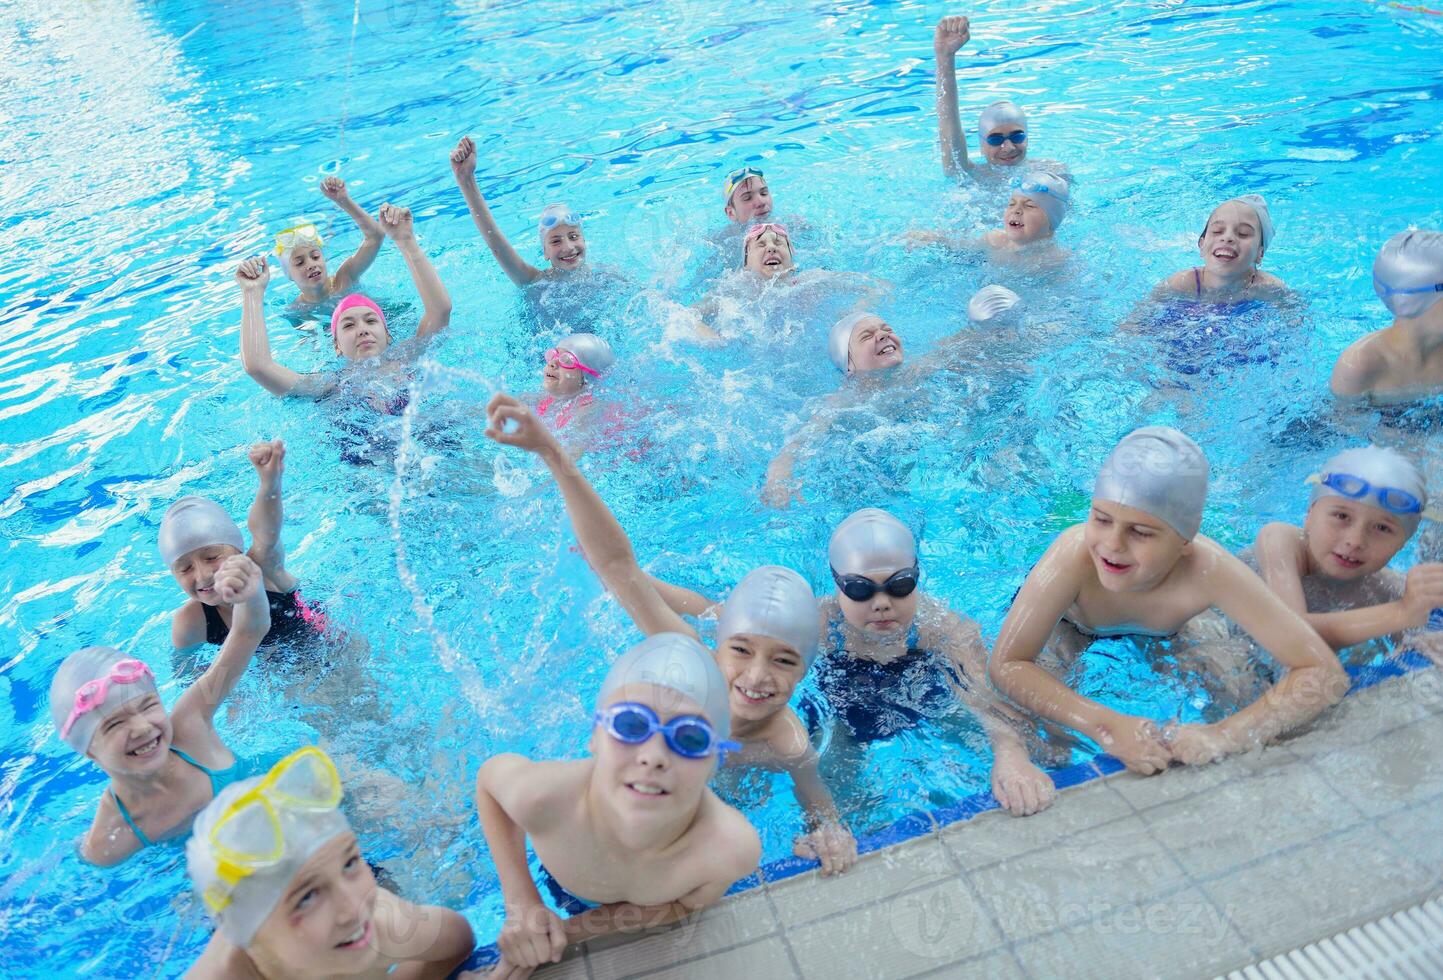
(298, 237)
(1391, 499)
(739, 176)
(92, 694)
(556, 217)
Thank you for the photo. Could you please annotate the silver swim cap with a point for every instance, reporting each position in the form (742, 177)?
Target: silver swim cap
(776, 602)
(556, 214)
(990, 302)
(1049, 192)
(1408, 272)
(1382, 469)
(252, 899)
(195, 522)
(590, 350)
(79, 669)
(871, 540)
(1159, 470)
(1265, 218)
(677, 663)
(839, 342)
(1001, 113)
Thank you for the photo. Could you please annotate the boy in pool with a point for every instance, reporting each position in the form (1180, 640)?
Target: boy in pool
(630, 837)
(1231, 245)
(196, 538)
(105, 706)
(275, 864)
(562, 242)
(766, 636)
(1365, 505)
(299, 250)
(1138, 566)
(358, 326)
(1001, 128)
(896, 656)
(1404, 361)
(748, 198)
(1030, 220)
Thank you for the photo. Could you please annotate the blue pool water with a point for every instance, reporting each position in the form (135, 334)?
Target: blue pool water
(151, 147)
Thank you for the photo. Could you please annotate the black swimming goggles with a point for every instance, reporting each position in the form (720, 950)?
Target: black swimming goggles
(859, 588)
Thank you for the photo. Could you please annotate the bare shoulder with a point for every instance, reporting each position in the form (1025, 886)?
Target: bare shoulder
(109, 841)
(1280, 537)
(533, 792)
(1178, 282)
(788, 740)
(187, 627)
(222, 961)
(407, 931)
(1266, 280)
(1359, 365)
(733, 849)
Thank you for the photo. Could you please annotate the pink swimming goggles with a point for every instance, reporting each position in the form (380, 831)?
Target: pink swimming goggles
(756, 231)
(568, 361)
(92, 694)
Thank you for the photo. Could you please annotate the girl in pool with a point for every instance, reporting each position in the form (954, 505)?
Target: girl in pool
(304, 263)
(1038, 205)
(1405, 361)
(766, 635)
(1001, 128)
(1231, 244)
(1365, 506)
(1139, 567)
(358, 327)
(162, 767)
(562, 242)
(275, 864)
(572, 369)
(895, 656)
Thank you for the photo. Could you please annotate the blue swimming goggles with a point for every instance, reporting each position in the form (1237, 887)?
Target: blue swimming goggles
(738, 176)
(1390, 499)
(1033, 187)
(558, 214)
(1388, 290)
(689, 736)
(1017, 136)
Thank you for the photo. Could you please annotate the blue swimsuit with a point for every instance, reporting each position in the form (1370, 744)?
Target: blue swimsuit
(565, 901)
(219, 780)
(877, 700)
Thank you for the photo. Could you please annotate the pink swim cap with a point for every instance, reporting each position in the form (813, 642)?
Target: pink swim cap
(351, 302)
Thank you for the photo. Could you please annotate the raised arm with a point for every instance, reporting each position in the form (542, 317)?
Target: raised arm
(951, 34)
(267, 515)
(684, 602)
(252, 276)
(434, 299)
(354, 267)
(238, 583)
(463, 166)
(602, 540)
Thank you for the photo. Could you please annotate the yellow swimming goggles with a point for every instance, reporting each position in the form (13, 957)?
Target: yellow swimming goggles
(248, 835)
(292, 238)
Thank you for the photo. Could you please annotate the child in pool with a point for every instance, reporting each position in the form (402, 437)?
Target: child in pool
(572, 368)
(767, 628)
(748, 198)
(197, 536)
(562, 242)
(105, 706)
(1038, 205)
(1139, 567)
(630, 837)
(1364, 507)
(275, 864)
(358, 327)
(304, 263)
(1404, 361)
(897, 656)
(1001, 128)
(1231, 244)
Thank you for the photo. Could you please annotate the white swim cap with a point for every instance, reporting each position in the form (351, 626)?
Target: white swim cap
(1001, 113)
(556, 214)
(590, 350)
(79, 669)
(1159, 470)
(871, 540)
(1049, 192)
(245, 905)
(839, 342)
(1408, 272)
(677, 663)
(776, 602)
(195, 522)
(990, 302)
(1265, 219)
(1382, 469)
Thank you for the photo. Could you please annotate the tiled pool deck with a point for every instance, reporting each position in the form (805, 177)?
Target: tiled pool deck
(1188, 874)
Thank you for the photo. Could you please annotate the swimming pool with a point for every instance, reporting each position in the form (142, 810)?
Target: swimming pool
(154, 146)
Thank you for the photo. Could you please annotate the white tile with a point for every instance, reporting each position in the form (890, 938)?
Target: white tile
(880, 874)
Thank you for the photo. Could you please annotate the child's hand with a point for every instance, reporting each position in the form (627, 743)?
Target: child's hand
(1197, 745)
(1021, 787)
(503, 970)
(253, 274)
(780, 490)
(334, 188)
(269, 459)
(952, 33)
(396, 222)
(1423, 592)
(832, 844)
(513, 424)
(1136, 743)
(237, 580)
(531, 936)
(463, 160)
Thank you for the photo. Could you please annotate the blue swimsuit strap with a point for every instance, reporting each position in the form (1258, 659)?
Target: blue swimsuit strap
(216, 785)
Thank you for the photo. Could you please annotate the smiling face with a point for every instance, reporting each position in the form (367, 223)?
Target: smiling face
(1009, 154)
(306, 267)
(1231, 244)
(564, 246)
(769, 254)
(195, 571)
(1348, 539)
(324, 924)
(1023, 221)
(648, 784)
(361, 334)
(873, 346)
(751, 201)
(134, 739)
(559, 381)
(882, 613)
(1131, 549)
(761, 674)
